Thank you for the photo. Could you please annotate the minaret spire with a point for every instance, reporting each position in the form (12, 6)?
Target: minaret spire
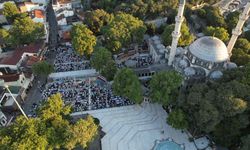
(238, 30)
(177, 31)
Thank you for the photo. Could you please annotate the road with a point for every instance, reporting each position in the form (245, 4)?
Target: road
(34, 94)
(53, 30)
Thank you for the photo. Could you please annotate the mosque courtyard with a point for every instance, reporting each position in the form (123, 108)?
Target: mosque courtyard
(139, 127)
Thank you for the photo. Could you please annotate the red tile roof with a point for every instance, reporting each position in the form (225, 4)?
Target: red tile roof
(15, 57)
(10, 77)
(38, 13)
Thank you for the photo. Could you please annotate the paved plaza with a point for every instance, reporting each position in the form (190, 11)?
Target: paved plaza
(136, 127)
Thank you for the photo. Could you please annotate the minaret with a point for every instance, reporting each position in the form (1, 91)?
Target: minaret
(238, 30)
(177, 31)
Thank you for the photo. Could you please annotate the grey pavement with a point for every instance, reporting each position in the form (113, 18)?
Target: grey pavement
(34, 95)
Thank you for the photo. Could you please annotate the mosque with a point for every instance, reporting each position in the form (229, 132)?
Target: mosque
(206, 56)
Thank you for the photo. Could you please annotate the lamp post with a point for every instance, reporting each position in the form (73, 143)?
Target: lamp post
(6, 86)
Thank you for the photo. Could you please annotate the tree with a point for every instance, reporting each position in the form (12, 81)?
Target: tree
(177, 119)
(10, 11)
(96, 19)
(163, 84)
(127, 84)
(102, 61)
(42, 68)
(123, 30)
(185, 39)
(52, 129)
(83, 132)
(218, 32)
(25, 31)
(151, 28)
(214, 18)
(232, 20)
(5, 37)
(241, 52)
(228, 132)
(83, 40)
(245, 142)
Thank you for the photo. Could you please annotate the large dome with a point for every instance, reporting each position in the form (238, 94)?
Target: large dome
(210, 49)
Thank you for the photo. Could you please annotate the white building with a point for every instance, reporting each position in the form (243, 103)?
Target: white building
(156, 48)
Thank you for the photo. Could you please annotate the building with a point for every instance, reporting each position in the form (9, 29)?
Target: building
(13, 59)
(156, 48)
(205, 57)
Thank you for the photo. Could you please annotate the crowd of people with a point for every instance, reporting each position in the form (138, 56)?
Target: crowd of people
(85, 94)
(143, 61)
(68, 60)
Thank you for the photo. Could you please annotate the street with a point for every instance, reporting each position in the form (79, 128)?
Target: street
(34, 98)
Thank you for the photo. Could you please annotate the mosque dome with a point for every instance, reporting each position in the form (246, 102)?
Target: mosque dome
(216, 74)
(209, 49)
(189, 71)
(231, 65)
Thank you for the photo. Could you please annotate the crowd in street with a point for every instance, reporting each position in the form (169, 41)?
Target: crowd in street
(84, 94)
(68, 60)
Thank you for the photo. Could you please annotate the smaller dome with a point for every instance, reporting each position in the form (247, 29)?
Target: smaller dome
(216, 74)
(231, 65)
(183, 63)
(190, 71)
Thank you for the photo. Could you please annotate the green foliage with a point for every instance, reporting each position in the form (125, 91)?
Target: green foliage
(232, 20)
(163, 84)
(42, 68)
(219, 108)
(228, 132)
(25, 31)
(218, 32)
(245, 142)
(185, 39)
(102, 61)
(177, 119)
(151, 29)
(96, 19)
(83, 40)
(50, 130)
(127, 84)
(5, 37)
(212, 16)
(10, 11)
(241, 52)
(123, 30)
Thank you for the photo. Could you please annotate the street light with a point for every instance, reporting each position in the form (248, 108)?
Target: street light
(6, 86)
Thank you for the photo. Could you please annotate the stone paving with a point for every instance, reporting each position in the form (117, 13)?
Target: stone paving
(136, 127)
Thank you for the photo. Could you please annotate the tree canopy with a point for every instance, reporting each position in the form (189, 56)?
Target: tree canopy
(163, 84)
(96, 19)
(52, 129)
(42, 68)
(218, 32)
(83, 40)
(241, 52)
(185, 39)
(177, 119)
(25, 31)
(103, 62)
(10, 11)
(219, 108)
(127, 84)
(123, 30)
